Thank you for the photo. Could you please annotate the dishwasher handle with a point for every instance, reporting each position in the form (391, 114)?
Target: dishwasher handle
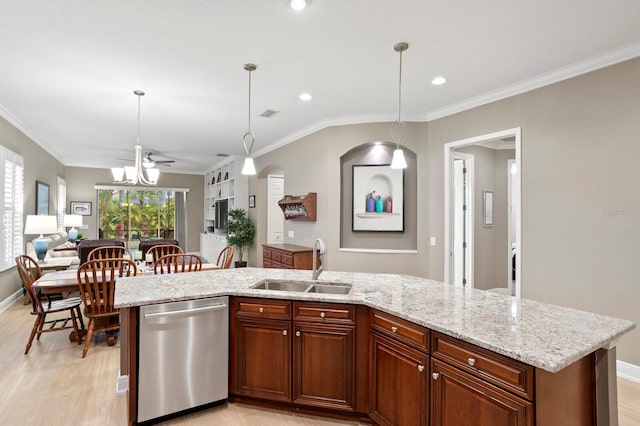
(185, 311)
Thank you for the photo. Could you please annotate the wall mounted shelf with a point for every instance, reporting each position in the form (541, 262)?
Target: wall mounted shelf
(299, 207)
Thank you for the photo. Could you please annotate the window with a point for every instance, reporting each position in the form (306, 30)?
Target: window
(62, 202)
(134, 214)
(11, 206)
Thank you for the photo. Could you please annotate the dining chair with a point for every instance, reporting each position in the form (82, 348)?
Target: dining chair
(179, 262)
(225, 257)
(97, 282)
(29, 272)
(162, 250)
(109, 252)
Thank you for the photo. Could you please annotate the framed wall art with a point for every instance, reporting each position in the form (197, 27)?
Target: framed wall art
(42, 198)
(488, 202)
(83, 208)
(378, 198)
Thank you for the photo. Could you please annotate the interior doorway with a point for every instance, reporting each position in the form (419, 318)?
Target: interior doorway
(275, 220)
(501, 234)
(463, 216)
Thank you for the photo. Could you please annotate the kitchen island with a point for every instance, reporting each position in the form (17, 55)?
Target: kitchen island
(545, 341)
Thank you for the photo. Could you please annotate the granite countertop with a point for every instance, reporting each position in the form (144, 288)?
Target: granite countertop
(542, 335)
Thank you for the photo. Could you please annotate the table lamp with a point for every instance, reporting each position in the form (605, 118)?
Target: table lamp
(72, 220)
(40, 224)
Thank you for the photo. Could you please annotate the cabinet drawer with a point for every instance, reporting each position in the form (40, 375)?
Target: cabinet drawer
(262, 308)
(505, 372)
(276, 256)
(266, 254)
(324, 312)
(266, 263)
(287, 259)
(405, 331)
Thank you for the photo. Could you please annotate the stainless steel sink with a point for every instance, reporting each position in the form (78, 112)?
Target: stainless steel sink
(330, 289)
(303, 286)
(278, 285)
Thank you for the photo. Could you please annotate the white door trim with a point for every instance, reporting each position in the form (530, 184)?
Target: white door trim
(449, 148)
(470, 217)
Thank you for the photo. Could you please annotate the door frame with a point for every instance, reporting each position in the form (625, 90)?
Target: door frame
(470, 216)
(271, 209)
(449, 149)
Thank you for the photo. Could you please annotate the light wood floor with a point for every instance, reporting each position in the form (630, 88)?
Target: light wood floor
(53, 385)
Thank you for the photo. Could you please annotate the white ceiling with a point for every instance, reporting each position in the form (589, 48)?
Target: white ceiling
(69, 67)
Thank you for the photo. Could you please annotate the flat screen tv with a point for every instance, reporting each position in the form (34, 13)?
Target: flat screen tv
(222, 208)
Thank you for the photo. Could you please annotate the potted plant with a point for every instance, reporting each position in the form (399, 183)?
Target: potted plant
(240, 233)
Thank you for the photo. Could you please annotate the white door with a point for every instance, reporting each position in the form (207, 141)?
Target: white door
(462, 220)
(275, 218)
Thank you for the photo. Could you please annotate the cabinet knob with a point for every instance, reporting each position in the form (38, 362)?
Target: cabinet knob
(435, 376)
(322, 314)
(298, 333)
(284, 332)
(421, 368)
(261, 309)
(394, 329)
(471, 361)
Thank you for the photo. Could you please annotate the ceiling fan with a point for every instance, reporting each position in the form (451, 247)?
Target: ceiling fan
(149, 162)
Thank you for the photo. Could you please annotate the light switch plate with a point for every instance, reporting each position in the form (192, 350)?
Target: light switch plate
(290, 234)
(433, 241)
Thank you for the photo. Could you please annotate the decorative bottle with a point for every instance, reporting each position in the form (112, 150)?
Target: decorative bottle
(370, 203)
(388, 205)
(379, 205)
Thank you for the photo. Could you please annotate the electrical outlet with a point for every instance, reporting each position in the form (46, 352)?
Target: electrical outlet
(433, 241)
(290, 234)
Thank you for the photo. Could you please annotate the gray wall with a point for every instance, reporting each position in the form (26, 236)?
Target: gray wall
(38, 165)
(80, 187)
(580, 197)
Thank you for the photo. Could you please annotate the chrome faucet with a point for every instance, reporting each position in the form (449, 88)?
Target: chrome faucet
(315, 273)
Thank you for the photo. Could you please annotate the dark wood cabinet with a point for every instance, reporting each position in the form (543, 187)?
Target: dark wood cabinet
(459, 398)
(287, 256)
(323, 365)
(398, 383)
(263, 359)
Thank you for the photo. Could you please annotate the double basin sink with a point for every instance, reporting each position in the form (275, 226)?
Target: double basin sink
(303, 286)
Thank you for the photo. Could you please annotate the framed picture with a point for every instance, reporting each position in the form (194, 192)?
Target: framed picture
(378, 198)
(83, 208)
(252, 201)
(487, 208)
(42, 198)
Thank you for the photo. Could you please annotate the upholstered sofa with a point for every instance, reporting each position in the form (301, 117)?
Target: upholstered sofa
(59, 247)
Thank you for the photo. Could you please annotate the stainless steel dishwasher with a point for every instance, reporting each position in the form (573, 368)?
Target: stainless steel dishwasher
(183, 356)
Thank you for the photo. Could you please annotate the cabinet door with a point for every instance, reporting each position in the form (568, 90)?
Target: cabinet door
(263, 359)
(323, 372)
(458, 398)
(398, 383)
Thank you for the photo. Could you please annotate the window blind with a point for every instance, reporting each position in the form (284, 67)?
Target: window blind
(11, 206)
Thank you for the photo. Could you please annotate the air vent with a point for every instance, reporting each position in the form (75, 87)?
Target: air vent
(222, 155)
(269, 113)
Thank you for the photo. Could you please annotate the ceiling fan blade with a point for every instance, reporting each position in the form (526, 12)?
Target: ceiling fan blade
(164, 161)
(126, 159)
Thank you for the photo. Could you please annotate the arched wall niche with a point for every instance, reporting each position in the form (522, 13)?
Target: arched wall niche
(378, 153)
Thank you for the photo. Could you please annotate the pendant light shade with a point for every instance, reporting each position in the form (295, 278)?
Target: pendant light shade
(398, 161)
(248, 139)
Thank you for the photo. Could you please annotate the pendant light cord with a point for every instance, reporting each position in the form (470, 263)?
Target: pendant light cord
(249, 116)
(400, 87)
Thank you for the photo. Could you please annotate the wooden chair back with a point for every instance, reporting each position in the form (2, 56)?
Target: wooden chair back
(97, 283)
(179, 262)
(29, 271)
(164, 249)
(108, 252)
(225, 257)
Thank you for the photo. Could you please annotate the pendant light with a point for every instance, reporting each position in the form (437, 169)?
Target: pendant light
(398, 161)
(135, 174)
(249, 168)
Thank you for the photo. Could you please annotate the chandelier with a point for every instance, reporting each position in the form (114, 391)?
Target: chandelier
(134, 175)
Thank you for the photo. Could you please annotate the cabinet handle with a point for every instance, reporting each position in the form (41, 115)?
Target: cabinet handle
(261, 309)
(435, 376)
(394, 329)
(421, 368)
(471, 361)
(322, 314)
(284, 332)
(298, 333)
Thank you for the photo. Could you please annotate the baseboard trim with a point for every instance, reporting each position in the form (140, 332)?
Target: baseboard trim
(628, 371)
(123, 384)
(4, 305)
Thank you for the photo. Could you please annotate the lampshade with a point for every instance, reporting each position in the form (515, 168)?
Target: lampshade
(398, 161)
(72, 220)
(248, 168)
(41, 224)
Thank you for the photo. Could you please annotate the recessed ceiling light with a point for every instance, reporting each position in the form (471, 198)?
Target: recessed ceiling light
(438, 80)
(299, 4)
(305, 97)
